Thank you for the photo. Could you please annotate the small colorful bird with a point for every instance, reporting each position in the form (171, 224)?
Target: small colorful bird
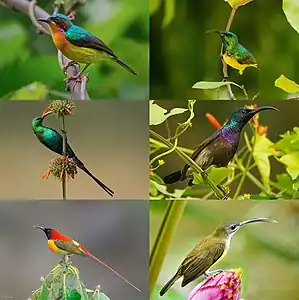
(234, 54)
(79, 45)
(208, 252)
(53, 140)
(220, 148)
(64, 245)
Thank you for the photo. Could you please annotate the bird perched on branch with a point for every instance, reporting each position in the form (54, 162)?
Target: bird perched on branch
(234, 54)
(208, 252)
(79, 45)
(53, 140)
(220, 148)
(64, 245)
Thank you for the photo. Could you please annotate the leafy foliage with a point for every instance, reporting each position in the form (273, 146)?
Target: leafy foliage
(255, 156)
(63, 282)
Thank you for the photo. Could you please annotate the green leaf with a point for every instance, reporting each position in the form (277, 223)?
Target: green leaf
(291, 161)
(291, 10)
(289, 141)
(169, 12)
(33, 91)
(163, 189)
(158, 114)
(287, 85)
(154, 6)
(262, 150)
(153, 189)
(214, 173)
(285, 183)
(211, 85)
(72, 295)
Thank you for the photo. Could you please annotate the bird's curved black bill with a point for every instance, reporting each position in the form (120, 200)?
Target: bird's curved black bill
(255, 220)
(261, 108)
(39, 227)
(43, 20)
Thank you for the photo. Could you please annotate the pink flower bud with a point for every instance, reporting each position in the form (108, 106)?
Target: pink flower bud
(223, 286)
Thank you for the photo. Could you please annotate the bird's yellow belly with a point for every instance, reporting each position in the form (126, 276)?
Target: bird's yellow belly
(55, 249)
(78, 54)
(232, 62)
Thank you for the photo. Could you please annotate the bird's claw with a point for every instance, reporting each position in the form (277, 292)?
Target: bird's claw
(225, 193)
(69, 64)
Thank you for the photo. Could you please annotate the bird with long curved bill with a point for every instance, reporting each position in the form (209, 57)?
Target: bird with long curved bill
(78, 44)
(218, 149)
(65, 245)
(208, 252)
(234, 54)
(53, 140)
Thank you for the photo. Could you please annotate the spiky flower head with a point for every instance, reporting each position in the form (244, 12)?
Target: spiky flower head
(60, 107)
(61, 167)
(223, 286)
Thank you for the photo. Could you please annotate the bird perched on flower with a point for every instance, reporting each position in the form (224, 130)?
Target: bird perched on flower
(78, 44)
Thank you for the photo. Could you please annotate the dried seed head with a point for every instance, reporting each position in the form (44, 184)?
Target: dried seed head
(61, 167)
(60, 107)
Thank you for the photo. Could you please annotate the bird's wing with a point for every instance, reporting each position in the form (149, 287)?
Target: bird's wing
(82, 38)
(198, 262)
(54, 142)
(203, 145)
(69, 246)
(246, 58)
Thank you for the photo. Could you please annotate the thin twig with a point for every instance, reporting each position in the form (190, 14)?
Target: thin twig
(224, 69)
(64, 141)
(31, 13)
(194, 166)
(35, 12)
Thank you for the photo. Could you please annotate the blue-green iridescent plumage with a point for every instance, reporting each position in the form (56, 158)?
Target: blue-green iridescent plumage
(83, 39)
(218, 149)
(53, 140)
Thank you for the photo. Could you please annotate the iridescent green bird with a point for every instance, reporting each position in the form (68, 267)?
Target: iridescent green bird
(78, 44)
(53, 140)
(234, 54)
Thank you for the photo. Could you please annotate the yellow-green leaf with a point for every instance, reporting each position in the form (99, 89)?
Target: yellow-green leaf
(262, 150)
(33, 91)
(291, 161)
(233, 3)
(291, 10)
(287, 85)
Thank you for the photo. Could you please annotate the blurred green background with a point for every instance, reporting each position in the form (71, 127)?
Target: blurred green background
(29, 59)
(278, 124)
(267, 253)
(183, 54)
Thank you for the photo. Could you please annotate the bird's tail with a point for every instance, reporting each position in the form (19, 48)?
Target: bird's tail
(108, 267)
(124, 65)
(173, 177)
(80, 165)
(170, 283)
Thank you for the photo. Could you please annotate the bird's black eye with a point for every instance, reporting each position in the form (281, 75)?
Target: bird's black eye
(243, 111)
(232, 227)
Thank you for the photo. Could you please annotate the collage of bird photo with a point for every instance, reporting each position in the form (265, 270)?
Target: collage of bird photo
(149, 150)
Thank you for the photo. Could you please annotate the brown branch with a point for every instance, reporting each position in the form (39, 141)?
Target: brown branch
(77, 88)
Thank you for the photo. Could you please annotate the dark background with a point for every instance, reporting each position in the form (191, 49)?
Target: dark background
(110, 137)
(278, 124)
(106, 228)
(183, 54)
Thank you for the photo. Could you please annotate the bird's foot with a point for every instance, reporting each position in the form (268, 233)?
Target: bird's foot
(69, 64)
(76, 78)
(224, 191)
(213, 273)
